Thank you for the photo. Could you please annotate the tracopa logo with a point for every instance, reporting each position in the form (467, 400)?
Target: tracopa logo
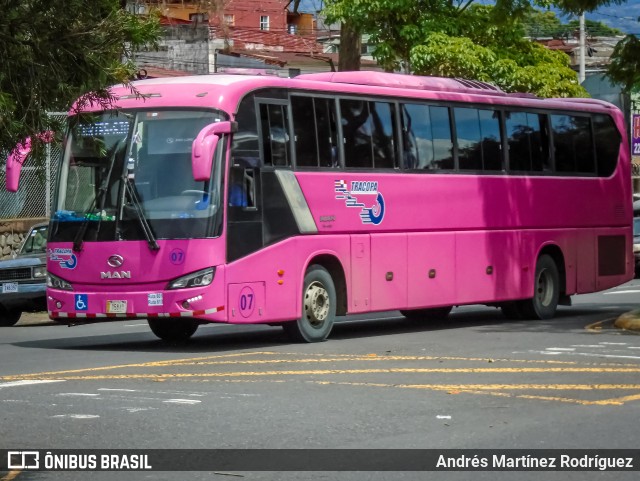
(23, 460)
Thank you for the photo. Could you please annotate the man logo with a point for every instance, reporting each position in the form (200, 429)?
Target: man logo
(115, 261)
(23, 460)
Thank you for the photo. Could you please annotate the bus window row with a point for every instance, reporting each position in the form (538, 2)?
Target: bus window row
(363, 133)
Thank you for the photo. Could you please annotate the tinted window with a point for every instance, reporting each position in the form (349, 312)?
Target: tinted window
(275, 136)
(245, 148)
(607, 144)
(524, 136)
(426, 135)
(314, 128)
(573, 145)
(304, 130)
(478, 138)
(367, 129)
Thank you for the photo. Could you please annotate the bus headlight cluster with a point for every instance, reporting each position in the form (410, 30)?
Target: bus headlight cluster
(56, 282)
(195, 279)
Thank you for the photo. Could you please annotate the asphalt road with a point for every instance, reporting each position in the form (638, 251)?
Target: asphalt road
(475, 381)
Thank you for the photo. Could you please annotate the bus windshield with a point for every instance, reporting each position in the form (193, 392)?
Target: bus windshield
(127, 170)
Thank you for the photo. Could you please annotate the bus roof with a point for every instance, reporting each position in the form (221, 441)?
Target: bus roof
(200, 91)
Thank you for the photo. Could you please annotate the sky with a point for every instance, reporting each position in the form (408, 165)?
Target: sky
(623, 17)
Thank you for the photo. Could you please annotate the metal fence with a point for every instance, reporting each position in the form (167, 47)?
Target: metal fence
(37, 187)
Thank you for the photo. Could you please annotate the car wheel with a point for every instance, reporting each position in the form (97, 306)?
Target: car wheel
(318, 308)
(9, 317)
(173, 330)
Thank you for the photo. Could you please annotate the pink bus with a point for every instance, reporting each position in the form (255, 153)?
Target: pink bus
(258, 199)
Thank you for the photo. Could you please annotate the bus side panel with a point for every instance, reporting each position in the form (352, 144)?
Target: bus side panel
(360, 292)
(585, 261)
(488, 266)
(388, 271)
(615, 264)
(281, 268)
(431, 270)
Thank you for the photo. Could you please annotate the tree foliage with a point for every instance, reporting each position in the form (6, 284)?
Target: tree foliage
(464, 38)
(54, 52)
(625, 63)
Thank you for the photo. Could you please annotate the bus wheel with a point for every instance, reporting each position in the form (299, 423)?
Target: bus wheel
(434, 314)
(318, 308)
(172, 330)
(9, 317)
(546, 292)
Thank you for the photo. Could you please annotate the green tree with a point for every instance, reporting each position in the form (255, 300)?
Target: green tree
(54, 52)
(463, 38)
(624, 68)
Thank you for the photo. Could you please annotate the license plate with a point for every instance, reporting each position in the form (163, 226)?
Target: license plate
(9, 287)
(116, 307)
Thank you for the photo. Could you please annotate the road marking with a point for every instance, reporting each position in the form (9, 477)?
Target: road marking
(587, 354)
(182, 401)
(633, 291)
(11, 475)
(27, 382)
(77, 394)
(76, 416)
(561, 349)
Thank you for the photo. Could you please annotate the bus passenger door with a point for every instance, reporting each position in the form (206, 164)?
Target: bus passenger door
(360, 298)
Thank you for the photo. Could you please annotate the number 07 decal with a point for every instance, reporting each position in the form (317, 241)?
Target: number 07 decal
(246, 301)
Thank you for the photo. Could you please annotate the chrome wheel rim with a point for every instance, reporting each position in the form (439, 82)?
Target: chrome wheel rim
(316, 304)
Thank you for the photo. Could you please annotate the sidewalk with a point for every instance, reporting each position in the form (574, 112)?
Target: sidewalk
(35, 319)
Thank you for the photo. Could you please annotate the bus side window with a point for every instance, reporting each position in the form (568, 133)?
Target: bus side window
(275, 134)
(326, 129)
(382, 135)
(607, 144)
(573, 144)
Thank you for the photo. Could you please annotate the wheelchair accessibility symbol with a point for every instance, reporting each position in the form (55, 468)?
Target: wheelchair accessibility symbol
(82, 302)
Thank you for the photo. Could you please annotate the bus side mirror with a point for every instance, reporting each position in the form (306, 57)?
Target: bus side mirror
(204, 147)
(14, 164)
(18, 155)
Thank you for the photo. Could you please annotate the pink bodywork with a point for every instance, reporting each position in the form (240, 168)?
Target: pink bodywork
(444, 239)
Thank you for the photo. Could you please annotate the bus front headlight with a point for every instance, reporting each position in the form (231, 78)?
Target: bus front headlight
(195, 279)
(56, 282)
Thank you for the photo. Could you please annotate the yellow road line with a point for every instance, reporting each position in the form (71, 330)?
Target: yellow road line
(10, 475)
(502, 390)
(317, 372)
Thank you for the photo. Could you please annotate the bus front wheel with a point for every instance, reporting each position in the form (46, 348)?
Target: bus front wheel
(318, 307)
(546, 291)
(171, 330)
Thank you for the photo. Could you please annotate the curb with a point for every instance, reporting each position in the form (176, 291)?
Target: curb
(629, 321)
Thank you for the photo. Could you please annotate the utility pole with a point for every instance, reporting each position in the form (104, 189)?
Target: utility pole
(582, 48)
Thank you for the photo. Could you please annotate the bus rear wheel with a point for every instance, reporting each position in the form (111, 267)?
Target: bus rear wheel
(171, 330)
(433, 314)
(318, 308)
(546, 291)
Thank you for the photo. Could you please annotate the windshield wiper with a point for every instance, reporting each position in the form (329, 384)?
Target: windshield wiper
(97, 201)
(131, 190)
